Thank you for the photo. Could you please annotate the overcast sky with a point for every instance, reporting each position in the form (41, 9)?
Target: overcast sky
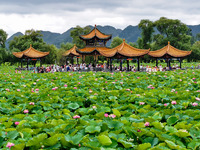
(60, 15)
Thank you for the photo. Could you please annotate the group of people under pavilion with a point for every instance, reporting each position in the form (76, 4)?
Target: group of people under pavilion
(96, 46)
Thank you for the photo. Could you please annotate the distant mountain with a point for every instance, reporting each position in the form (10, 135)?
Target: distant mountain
(195, 29)
(12, 37)
(130, 33)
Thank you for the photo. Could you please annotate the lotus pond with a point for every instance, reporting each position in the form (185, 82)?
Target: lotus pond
(101, 111)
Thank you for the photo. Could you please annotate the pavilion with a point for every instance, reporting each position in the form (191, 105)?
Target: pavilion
(95, 43)
(72, 53)
(168, 52)
(30, 54)
(125, 51)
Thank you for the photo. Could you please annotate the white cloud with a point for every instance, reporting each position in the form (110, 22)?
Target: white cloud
(59, 16)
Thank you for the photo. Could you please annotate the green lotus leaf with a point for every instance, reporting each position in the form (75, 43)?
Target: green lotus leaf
(51, 141)
(172, 145)
(36, 140)
(182, 133)
(194, 144)
(117, 136)
(172, 120)
(104, 140)
(153, 141)
(19, 146)
(143, 146)
(114, 124)
(158, 125)
(195, 132)
(73, 106)
(92, 129)
(170, 129)
(126, 144)
(12, 134)
(75, 140)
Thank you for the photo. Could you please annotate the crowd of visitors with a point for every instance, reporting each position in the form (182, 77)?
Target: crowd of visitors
(101, 67)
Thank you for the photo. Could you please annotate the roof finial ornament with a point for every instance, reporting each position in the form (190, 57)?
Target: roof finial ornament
(123, 40)
(95, 25)
(30, 45)
(168, 42)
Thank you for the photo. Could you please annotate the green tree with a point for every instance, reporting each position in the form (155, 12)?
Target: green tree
(174, 31)
(76, 32)
(147, 28)
(63, 48)
(116, 41)
(3, 37)
(195, 51)
(3, 51)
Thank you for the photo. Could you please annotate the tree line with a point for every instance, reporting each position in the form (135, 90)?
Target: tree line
(154, 35)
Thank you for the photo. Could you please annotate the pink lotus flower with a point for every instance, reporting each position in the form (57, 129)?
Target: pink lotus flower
(53, 89)
(106, 115)
(36, 89)
(172, 90)
(193, 78)
(9, 145)
(31, 103)
(76, 116)
(146, 124)
(75, 88)
(8, 90)
(165, 105)
(142, 103)
(176, 92)
(65, 85)
(79, 82)
(138, 77)
(94, 107)
(106, 82)
(18, 90)
(26, 111)
(194, 104)
(95, 94)
(121, 82)
(127, 89)
(34, 83)
(112, 116)
(16, 123)
(32, 91)
(138, 130)
(198, 99)
(113, 82)
(173, 103)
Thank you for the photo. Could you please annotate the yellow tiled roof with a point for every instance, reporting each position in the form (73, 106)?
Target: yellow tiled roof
(97, 33)
(125, 50)
(170, 50)
(30, 52)
(72, 51)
